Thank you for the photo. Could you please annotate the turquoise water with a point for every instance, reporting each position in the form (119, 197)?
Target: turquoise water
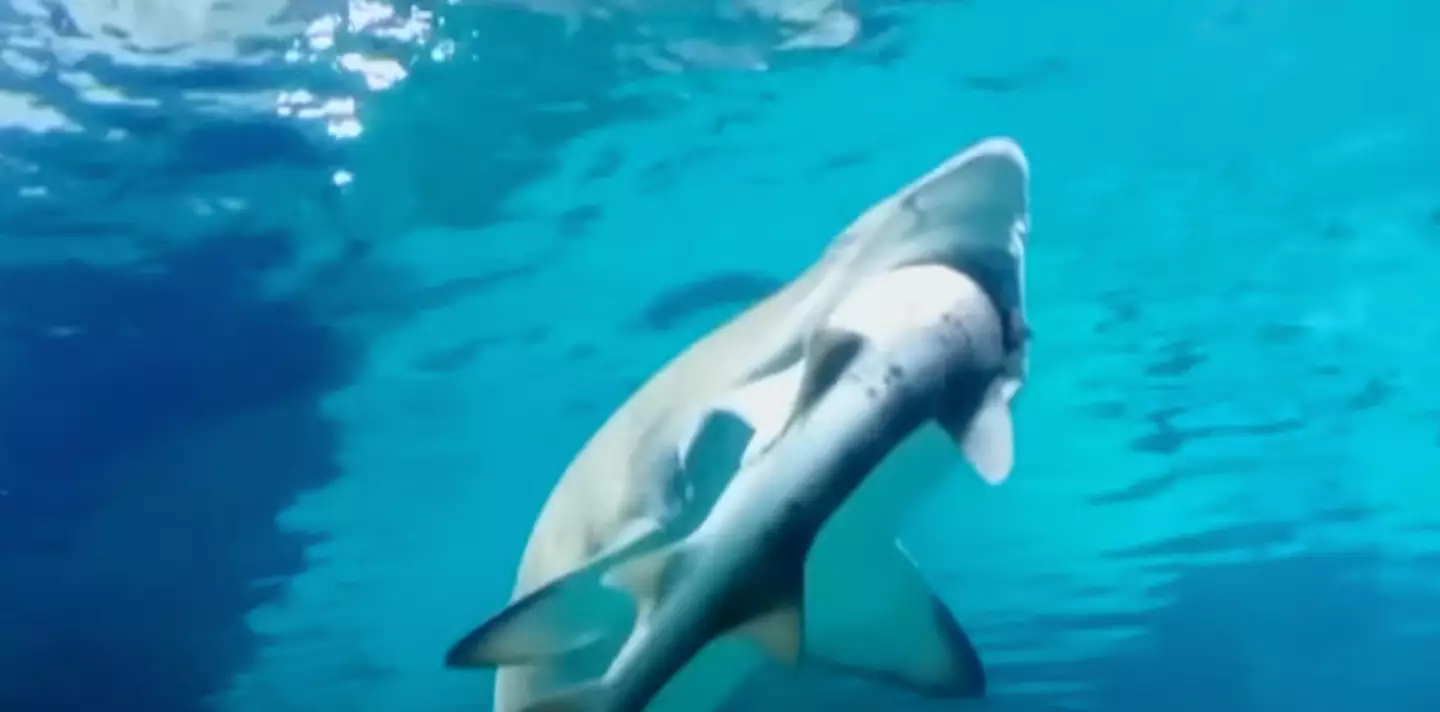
(303, 309)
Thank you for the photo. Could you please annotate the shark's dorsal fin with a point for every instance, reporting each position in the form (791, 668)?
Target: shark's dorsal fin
(828, 353)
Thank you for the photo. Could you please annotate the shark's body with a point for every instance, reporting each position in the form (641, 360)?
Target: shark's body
(651, 475)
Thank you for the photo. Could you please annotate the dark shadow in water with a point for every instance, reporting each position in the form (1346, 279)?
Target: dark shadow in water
(151, 427)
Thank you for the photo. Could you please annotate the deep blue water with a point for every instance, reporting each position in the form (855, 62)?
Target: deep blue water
(127, 583)
(304, 305)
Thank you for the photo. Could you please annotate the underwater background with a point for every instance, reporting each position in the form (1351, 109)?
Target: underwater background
(305, 305)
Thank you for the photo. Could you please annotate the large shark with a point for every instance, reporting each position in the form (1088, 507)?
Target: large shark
(720, 415)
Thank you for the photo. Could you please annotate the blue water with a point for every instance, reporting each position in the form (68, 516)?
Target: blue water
(304, 307)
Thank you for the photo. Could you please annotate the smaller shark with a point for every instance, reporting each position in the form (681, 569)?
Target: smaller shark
(657, 470)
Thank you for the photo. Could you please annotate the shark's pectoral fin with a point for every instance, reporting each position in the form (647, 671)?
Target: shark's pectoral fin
(561, 617)
(988, 438)
(896, 630)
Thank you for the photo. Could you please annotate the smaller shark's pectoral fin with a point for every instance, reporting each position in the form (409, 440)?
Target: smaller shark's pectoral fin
(988, 438)
(561, 617)
(894, 629)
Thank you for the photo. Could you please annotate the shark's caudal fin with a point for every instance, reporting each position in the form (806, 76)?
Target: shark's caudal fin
(868, 610)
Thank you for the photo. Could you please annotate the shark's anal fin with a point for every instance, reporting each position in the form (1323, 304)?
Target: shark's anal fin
(561, 617)
(868, 610)
(987, 438)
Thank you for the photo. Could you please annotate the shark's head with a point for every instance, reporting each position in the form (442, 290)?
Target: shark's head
(971, 213)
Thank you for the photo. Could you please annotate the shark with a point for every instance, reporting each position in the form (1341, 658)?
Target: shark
(624, 601)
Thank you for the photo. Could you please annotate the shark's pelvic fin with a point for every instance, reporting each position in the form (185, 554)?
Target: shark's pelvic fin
(988, 438)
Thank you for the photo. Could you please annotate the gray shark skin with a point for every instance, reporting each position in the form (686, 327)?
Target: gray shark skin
(723, 412)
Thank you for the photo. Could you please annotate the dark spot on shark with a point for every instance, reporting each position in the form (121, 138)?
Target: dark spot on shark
(1137, 491)
(726, 290)
(1375, 393)
(576, 221)
(1180, 360)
